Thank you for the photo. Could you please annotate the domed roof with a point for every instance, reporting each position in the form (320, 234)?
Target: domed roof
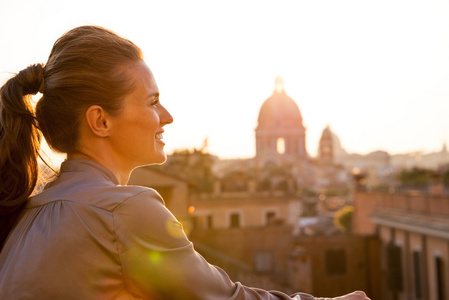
(279, 110)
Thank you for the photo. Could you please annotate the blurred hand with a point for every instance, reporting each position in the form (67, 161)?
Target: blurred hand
(358, 295)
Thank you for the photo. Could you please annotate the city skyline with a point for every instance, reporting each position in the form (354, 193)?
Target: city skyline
(376, 73)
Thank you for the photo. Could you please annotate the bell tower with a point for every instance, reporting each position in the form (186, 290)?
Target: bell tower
(325, 148)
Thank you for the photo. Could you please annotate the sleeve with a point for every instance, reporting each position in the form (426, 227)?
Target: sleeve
(159, 262)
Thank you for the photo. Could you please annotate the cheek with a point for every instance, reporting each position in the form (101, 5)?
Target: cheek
(146, 128)
(151, 122)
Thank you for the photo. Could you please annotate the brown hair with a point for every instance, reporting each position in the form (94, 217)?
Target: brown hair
(87, 66)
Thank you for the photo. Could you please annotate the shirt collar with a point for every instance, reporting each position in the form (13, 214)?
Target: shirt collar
(87, 165)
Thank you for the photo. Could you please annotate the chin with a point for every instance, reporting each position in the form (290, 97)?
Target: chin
(159, 160)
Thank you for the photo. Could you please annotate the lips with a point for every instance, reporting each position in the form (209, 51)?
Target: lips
(159, 136)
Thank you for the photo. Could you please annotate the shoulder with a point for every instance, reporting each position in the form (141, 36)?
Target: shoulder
(137, 194)
(143, 217)
(119, 198)
(94, 191)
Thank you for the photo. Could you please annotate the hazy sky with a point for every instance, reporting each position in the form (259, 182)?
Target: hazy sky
(376, 71)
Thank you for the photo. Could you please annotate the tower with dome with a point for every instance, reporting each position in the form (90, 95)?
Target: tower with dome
(280, 132)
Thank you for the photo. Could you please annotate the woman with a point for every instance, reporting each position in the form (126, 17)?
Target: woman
(87, 235)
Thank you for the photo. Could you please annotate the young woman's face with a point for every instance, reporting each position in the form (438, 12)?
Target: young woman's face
(137, 130)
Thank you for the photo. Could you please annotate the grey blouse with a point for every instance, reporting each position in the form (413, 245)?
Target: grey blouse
(86, 237)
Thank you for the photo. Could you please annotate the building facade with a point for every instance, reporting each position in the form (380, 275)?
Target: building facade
(414, 230)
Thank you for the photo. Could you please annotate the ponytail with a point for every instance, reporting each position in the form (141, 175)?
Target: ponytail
(87, 66)
(19, 145)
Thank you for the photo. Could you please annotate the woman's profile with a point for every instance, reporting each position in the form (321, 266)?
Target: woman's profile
(87, 235)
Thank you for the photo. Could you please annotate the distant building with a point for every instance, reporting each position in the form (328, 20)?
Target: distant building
(272, 185)
(281, 141)
(329, 175)
(414, 230)
(380, 168)
(280, 133)
(422, 160)
(326, 146)
(335, 265)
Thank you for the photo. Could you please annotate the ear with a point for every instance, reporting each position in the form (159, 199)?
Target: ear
(98, 121)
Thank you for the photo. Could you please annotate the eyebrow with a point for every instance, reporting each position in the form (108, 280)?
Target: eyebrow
(155, 95)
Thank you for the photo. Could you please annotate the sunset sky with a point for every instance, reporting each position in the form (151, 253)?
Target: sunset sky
(376, 71)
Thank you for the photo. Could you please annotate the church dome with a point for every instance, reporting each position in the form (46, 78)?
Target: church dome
(279, 110)
(280, 130)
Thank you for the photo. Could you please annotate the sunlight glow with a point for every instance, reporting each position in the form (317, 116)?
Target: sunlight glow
(155, 257)
(379, 84)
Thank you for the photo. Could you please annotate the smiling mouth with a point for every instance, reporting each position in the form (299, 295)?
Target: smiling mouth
(159, 136)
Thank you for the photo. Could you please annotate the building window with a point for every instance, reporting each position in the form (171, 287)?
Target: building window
(202, 222)
(394, 267)
(209, 222)
(417, 274)
(439, 268)
(235, 220)
(336, 262)
(270, 217)
(263, 261)
(280, 145)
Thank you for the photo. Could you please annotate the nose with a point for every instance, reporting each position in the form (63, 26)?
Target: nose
(165, 116)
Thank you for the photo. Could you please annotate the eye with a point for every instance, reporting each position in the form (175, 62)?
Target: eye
(155, 102)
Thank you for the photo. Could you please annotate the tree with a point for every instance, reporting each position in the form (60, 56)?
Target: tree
(343, 218)
(415, 177)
